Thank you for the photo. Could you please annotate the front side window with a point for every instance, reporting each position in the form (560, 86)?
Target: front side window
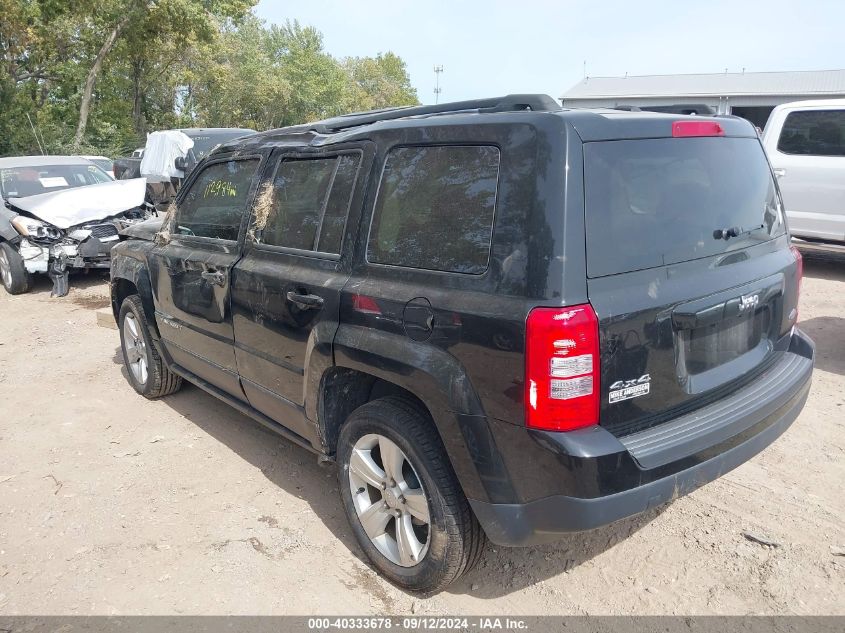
(813, 133)
(307, 204)
(435, 208)
(215, 203)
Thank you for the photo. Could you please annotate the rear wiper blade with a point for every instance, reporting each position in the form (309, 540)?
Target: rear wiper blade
(734, 231)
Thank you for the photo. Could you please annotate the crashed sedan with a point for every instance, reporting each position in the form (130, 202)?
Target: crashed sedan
(61, 213)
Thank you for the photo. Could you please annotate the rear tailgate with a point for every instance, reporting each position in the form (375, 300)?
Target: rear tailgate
(689, 270)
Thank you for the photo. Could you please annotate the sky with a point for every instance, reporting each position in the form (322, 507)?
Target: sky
(490, 48)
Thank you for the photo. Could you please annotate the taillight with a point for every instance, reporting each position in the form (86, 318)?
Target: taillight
(681, 129)
(562, 368)
(365, 305)
(799, 261)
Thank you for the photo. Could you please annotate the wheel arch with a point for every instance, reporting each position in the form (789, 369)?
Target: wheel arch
(130, 276)
(369, 365)
(342, 390)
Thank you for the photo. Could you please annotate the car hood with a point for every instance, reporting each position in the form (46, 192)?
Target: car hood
(145, 230)
(89, 203)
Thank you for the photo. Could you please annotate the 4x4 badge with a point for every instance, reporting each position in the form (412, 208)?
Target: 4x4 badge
(627, 389)
(748, 301)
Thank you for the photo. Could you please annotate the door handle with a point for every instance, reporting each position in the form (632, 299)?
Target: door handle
(306, 302)
(780, 172)
(214, 277)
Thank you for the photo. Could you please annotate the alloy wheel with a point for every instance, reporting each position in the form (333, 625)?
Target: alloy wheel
(5, 270)
(389, 500)
(135, 348)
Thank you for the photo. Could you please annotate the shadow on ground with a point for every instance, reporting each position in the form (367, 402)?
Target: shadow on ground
(828, 332)
(295, 470)
(830, 266)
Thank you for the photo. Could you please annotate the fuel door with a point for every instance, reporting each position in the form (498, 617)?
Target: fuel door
(418, 319)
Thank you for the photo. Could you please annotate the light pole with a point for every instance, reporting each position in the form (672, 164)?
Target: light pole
(437, 88)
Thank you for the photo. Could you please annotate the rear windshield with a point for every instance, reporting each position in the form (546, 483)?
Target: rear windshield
(102, 163)
(661, 201)
(19, 182)
(204, 143)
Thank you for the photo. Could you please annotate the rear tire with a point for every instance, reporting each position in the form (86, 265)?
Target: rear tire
(146, 371)
(13, 274)
(416, 556)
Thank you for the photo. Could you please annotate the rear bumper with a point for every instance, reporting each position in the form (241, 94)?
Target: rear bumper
(627, 476)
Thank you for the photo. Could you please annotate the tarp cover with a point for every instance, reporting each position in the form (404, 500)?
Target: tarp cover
(90, 203)
(161, 152)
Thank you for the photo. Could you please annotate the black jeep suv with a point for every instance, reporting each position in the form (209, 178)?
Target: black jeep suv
(501, 319)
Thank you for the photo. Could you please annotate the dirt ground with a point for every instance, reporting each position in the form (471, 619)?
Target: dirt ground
(111, 504)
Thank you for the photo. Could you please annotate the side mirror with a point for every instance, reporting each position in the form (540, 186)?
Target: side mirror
(179, 163)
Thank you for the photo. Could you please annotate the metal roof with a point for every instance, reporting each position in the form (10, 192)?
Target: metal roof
(811, 82)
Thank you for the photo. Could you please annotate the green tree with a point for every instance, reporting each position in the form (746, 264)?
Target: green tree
(380, 82)
(180, 20)
(96, 75)
(236, 81)
(283, 76)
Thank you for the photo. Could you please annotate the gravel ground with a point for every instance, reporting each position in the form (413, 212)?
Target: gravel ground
(111, 504)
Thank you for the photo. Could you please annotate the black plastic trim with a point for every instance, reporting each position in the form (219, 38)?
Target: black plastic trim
(612, 484)
(243, 408)
(696, 431)
(508, 103)
(545, 520)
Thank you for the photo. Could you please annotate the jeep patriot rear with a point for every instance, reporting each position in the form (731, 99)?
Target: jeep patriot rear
(501, 319)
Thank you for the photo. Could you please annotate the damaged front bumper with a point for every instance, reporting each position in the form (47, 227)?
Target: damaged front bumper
(82, 248)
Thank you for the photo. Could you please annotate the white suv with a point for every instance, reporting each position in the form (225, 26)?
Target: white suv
(805, 142)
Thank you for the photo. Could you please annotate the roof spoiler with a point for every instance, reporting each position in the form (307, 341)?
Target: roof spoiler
(508, 103)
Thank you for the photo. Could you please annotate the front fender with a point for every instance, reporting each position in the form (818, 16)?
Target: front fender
(439, 380)
(129, 262)
(7, 231)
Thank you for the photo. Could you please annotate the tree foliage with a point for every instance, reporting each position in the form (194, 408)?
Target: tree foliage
(158, 64)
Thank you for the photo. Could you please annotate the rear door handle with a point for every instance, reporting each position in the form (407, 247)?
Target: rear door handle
(306, 302)
(214, 277)
(780, 172)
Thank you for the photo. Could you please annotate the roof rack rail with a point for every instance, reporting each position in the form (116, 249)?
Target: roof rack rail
(508, 103)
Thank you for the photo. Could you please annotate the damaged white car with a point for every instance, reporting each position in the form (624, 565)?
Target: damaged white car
(61, 213)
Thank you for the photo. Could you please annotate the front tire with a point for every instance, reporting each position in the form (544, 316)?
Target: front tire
(402, 498)
(13, 274)
(147, 372)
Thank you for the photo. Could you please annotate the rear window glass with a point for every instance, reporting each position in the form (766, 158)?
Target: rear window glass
(435, 208)
(204, 143)
(309, 203)
(299, 193)
(337, 205)
(816, 133)
(662, 201)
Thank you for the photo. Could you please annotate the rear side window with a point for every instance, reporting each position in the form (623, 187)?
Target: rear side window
(813, 133)
(215, 203)
(662, 201)
(435, 208)
(307, 205)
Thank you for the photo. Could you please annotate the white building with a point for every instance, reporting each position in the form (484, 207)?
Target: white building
(749, 95)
